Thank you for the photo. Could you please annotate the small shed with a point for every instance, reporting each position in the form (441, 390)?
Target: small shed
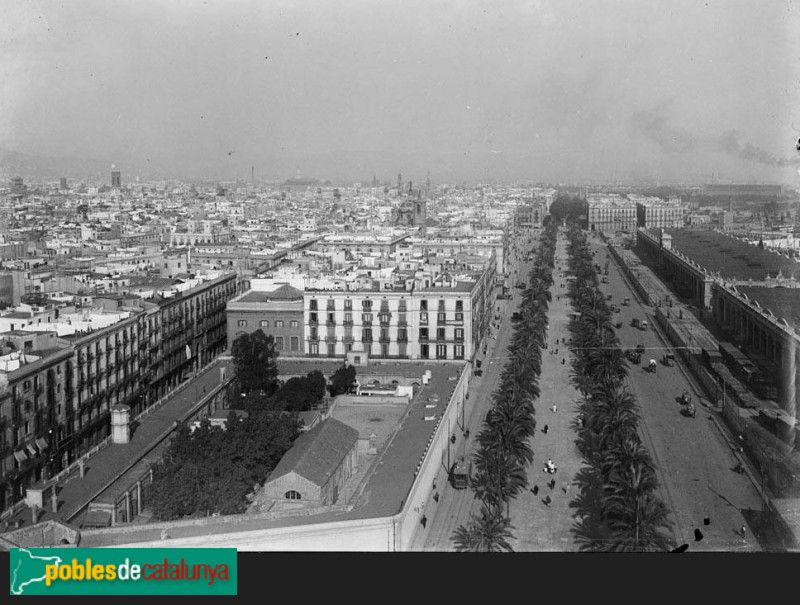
(315, 470)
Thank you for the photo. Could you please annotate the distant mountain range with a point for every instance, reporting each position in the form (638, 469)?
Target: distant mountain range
(15, 163)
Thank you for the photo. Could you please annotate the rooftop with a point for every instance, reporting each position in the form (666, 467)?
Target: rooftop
(317, 453)
(731, 257)
(783, 302)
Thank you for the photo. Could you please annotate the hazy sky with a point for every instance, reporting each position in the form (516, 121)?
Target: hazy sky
(558, 90)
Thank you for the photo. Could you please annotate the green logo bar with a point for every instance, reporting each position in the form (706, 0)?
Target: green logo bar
(123, 571)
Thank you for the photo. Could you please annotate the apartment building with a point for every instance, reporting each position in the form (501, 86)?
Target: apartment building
(59, 379)
(610, 213)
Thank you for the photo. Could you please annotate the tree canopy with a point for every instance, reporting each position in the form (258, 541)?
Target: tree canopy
(342, 380)
(255, 358)
(211, 470)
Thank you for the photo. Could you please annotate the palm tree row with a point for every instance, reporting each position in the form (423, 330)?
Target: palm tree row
(631, 515)
(504, 451)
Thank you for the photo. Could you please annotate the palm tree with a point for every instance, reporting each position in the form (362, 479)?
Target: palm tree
(640, 526)
(499, 477)
(628, 453)
(488, 532)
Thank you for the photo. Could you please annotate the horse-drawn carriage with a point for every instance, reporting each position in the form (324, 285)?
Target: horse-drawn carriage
(634, 356)
(688, 408)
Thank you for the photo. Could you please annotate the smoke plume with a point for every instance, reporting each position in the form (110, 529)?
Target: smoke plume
(656, 125)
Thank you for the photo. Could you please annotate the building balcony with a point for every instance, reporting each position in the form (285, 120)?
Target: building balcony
(384, 339)
(330, 339)
(330, 324)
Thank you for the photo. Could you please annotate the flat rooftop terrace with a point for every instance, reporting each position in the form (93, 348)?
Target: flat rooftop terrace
(386, 484)
(731, 257)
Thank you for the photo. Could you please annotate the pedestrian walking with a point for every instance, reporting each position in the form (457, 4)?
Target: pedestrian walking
(698, 535)
(547, 500)
(535, 490)
(544, 430)
(744, 533)
(423, 521)
(554, 408)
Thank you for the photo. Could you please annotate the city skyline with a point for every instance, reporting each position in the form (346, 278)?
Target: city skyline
(470, 92)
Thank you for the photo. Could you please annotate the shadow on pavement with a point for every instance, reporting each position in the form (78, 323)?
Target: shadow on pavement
(767, 530)
(589, 530)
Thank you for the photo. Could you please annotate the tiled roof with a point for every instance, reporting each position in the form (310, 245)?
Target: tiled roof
(316, 454)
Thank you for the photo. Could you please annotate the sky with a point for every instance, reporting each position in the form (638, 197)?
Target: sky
(522, 91)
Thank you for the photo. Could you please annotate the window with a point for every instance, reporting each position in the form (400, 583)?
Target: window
(242, 323)
(292, 495)
(440, 334)
(366, 335)
(331, 350)
(313, 317)
(460, 334)
(348, 318)
(423, 318)
(331, 318)
(423, 305)
(402, 335)
(423, 333)
(441, 351)
(441, 305)
(278, 323)
(264, 323)
(441, 318)
(294, 323)
(295, 341)
(459, 305)
(348, 305)
(366, 305)
(423, 351)
(459, 352)
(58, 369)
(459, 317)
(26, 385)
(366, 318)
(313, 304)
(314, 348)
(279, 343)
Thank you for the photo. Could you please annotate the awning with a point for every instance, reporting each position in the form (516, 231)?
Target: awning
(41, 444)
(31, 449)
(20, 456)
